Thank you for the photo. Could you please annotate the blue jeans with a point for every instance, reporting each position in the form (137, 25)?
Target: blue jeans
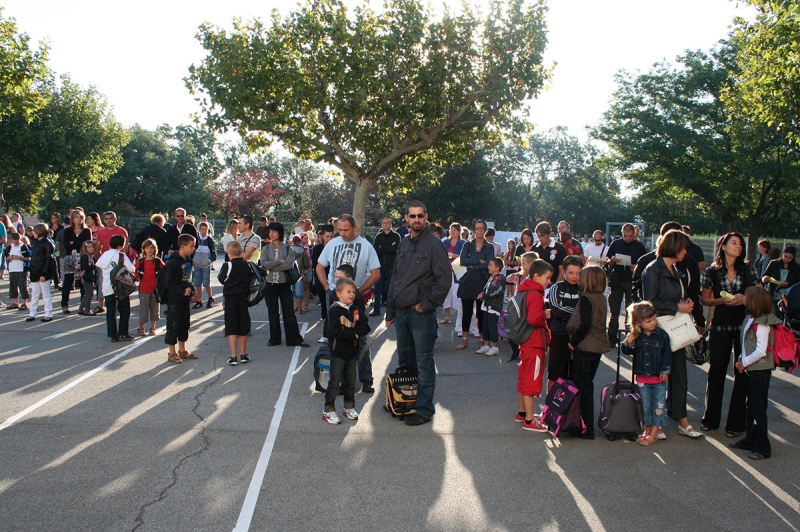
(415, 339)
(383, 282)
(654, 401)
(365, 364)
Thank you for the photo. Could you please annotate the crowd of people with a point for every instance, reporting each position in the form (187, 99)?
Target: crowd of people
(573, 295)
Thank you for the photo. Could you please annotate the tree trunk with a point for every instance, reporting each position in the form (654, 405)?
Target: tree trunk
(752, 240)
(363, 186)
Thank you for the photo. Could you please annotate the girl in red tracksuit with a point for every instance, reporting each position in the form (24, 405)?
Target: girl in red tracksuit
(530, 380)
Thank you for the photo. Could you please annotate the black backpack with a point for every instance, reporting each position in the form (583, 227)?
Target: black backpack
(122, 280)
(162, 293)
(515, 321)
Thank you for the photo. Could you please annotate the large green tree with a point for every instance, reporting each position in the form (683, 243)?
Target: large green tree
(162, 169)
(669, 129)
(72, 142)
(767, 86)
(23, 70)
(385, 97)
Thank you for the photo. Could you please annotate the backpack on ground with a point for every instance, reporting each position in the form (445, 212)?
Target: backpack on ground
(621, 411)
(322, 368)
(401, 392)
(122, 280)
(515, 320)
(562, 408)
(784, 348)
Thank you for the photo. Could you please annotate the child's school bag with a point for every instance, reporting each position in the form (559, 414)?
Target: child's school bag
(122, 280)
(784, 348)
(322, 368)
(401, 392)
(515, 320)
(562, 408)
(621, 411)
(162, 293)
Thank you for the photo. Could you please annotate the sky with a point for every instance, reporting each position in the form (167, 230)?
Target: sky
(137, 53)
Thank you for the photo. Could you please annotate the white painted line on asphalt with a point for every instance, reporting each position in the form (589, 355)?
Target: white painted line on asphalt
(250, 500)
(659, 457)
(13, 419)
(793, 503)
(764, 502)
(583, 504)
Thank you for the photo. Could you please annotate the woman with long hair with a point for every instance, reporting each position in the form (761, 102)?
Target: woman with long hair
(6, 228)
(230, 236)
(475, 256)
(74, 236)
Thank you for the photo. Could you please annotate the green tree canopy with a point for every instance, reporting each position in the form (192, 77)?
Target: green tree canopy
(669, 129)
(22, 71)
(385, 97)
(767, 86)
(70, 143)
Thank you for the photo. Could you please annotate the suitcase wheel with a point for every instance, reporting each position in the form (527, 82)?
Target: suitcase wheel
(632, 438)
(611, 437)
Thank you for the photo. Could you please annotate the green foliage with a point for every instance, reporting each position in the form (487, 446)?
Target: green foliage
(384, 96)
(70, 143)
(162, 170)
(22, 71)
(672, 134)
(768, 79)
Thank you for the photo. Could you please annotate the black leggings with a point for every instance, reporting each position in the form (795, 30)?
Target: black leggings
(467, 307)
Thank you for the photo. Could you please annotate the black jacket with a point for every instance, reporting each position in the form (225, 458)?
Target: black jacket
(421, 274)
(42, 262)
(173, 234)
(387, 246)
(774, 270)
(342, 340)
(158, 234)
(237, 282)
(178, 278)
(73, 242)
(688, 266)
(663, 290)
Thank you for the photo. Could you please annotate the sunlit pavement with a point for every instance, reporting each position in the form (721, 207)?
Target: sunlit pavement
(100, 436)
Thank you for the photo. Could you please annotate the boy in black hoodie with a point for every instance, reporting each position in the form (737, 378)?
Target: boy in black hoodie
(235, 289)
(346, 324)
(179, 283)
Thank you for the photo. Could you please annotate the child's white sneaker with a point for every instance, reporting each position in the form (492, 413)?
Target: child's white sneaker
(493, 352)
(482, 350)
(331, 418)
(350, 413)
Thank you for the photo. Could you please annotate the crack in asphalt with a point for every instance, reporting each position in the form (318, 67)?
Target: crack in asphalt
(206, 440)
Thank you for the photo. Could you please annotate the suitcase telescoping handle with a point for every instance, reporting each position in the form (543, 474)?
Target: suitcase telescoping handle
(621, 338)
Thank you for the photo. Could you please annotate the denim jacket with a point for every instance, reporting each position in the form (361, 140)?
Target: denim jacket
(652, 354)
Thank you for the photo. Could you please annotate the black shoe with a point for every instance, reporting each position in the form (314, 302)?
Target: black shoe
(244, 359)
(366, 387)
(30, 318)
(756, 456)
(210, 302)
(232, 361)
(115, 339)
(125, 338)
(273, 344)
(198, 305)
(416, 419)
(374, 313)
(301, 344)
(65, 310)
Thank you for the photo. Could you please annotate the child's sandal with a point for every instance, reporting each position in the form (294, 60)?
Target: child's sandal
(175, 359)
(186, 355)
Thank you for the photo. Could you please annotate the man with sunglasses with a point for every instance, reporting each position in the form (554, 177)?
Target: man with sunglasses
(419, 286)
(180, 228)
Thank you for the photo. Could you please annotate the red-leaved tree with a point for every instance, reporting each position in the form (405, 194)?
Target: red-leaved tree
(246, 192)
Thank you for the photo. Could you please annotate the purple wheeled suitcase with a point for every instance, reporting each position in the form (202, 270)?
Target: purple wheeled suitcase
(562, 408)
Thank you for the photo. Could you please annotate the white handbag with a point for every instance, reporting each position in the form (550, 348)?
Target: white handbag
(680, 327)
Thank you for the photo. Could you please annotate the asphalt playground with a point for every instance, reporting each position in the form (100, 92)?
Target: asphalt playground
(101, 436)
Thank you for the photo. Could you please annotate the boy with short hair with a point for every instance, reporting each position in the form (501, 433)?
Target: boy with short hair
(106, 263)
(178, 281)
(492, 304)
(532, 353)
(235, 289)
(204, 257)
(18, 258)
(346, 271)
(563, 298)
(346, 324)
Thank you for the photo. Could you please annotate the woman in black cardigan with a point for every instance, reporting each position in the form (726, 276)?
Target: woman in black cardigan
(74, 237)
(475, 256)
(786, 273)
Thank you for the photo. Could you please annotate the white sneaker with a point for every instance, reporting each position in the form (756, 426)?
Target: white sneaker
(322, 340)
(493, 352)
(482, 350)
(350, 413)
(331, 418)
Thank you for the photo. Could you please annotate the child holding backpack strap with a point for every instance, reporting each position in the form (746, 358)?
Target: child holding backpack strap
(652, 355)
(147, 267)
(530, 380)
(588, 339)
(756, 364)
(108, 262)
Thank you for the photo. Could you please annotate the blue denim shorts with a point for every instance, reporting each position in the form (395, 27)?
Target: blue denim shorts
(202, 276)
(654, 403)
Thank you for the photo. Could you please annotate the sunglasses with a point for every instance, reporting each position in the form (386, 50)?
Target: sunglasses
(413, 216)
